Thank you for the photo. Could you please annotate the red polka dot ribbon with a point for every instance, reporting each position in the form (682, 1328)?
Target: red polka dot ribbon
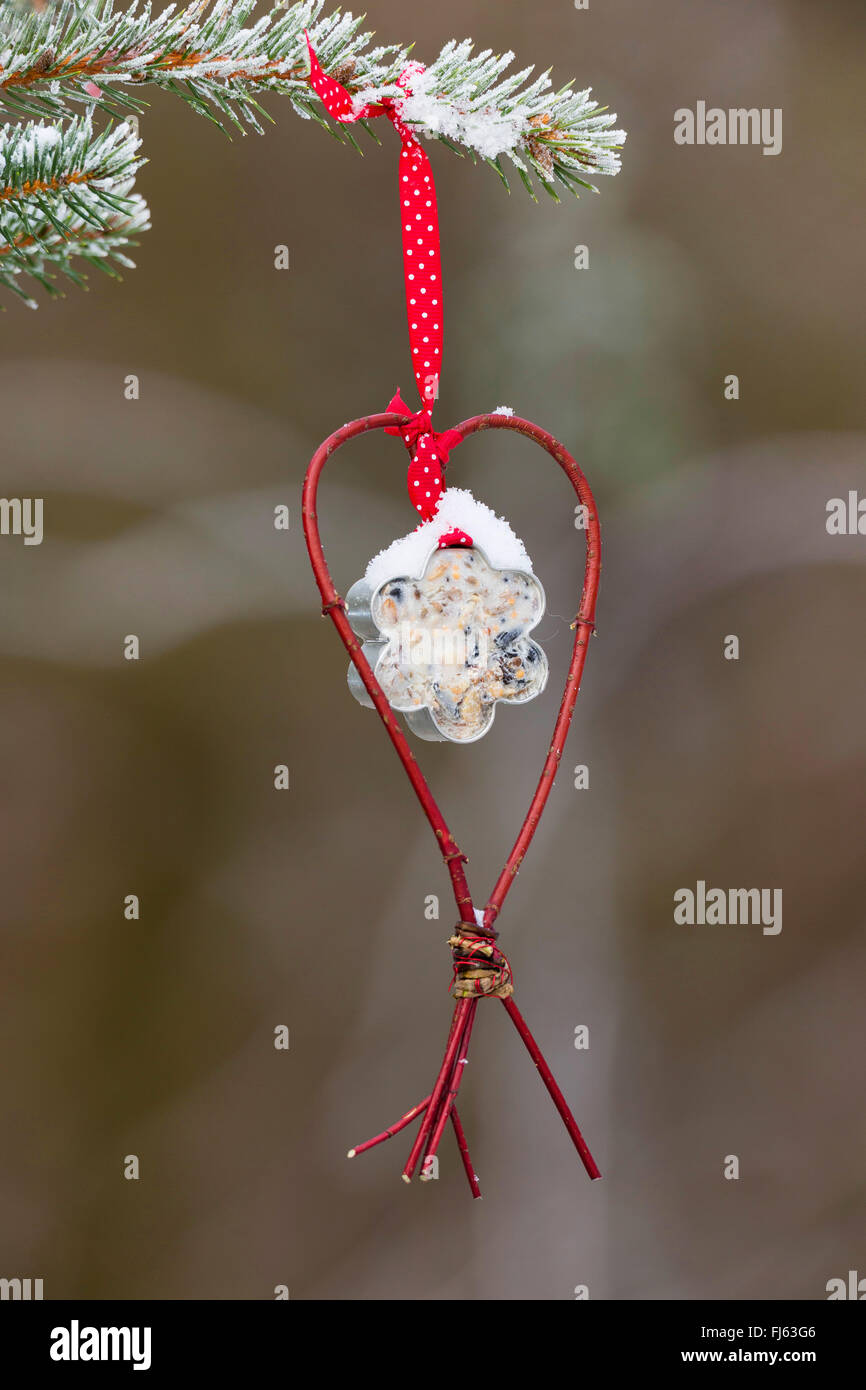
(422, 268)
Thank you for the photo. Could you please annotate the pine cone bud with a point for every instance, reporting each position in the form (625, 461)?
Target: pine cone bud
(537, 148)
(344, 73)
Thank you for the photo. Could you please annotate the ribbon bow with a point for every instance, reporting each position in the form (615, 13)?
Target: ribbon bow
(422, 269)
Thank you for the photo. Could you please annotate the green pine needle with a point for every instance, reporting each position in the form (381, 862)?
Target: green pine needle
(66, 190)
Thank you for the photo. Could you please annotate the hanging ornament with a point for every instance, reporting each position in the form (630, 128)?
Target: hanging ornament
(440, 627)
(449, 641)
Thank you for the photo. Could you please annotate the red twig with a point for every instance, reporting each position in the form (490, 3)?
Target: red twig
(471, 1174)
(395, 1129)
(407, 1119)
(440, 1104)
(455, 1039)
(332, 603)
(449, 1095)
(584, 626)
(557, 1097)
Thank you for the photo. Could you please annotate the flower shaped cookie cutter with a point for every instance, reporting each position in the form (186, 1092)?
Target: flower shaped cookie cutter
(448, 645)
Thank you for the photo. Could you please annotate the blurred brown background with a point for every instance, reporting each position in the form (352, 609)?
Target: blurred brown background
(305, 907)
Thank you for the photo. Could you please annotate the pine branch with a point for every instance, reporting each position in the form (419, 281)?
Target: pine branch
(206, 54)
(66, 193)
(469, 101)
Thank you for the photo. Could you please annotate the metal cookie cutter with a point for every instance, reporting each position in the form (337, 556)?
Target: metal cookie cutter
(448, 645)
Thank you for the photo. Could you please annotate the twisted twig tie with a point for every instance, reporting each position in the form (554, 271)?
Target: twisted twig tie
(479, 966)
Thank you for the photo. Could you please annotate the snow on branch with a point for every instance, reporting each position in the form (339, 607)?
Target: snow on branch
(64, 193)
(221, 59)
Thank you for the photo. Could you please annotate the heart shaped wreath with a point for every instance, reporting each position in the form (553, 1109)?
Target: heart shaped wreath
(489, 602)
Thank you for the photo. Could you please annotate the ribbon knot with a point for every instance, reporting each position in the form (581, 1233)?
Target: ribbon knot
(419, 220)
(416, 426)
(429, 450)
